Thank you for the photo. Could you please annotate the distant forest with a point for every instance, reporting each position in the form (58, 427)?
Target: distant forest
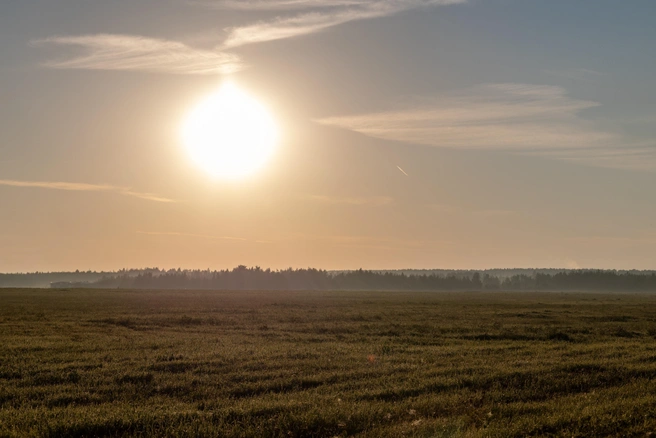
(244, 278)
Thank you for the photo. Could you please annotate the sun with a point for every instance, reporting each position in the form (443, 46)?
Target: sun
(229, 134)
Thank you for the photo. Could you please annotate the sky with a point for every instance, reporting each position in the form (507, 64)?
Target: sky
(412, 134)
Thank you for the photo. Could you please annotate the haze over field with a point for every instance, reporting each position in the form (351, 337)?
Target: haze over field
(382, 134)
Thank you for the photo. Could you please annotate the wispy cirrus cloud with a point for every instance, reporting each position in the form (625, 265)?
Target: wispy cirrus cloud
(137, 53)
(493, 116)
(530, 119)
(84, 187)
(146, 196)
(290, 27)
(339, 12)
(272, 5)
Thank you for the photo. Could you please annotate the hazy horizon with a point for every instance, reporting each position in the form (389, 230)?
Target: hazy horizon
(389, 134)
(265, 268)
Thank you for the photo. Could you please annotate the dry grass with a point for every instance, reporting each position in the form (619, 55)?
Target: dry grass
(324, 364)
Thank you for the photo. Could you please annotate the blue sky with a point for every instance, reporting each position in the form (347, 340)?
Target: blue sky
(525, 128)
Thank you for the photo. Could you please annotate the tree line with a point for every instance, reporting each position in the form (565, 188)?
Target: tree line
(256, 278)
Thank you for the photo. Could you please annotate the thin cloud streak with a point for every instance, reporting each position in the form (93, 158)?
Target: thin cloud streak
(312, 22)
(84, 187)
(528, 119)
(81, 187)
(290, 27)
(273, 5)
(493, 116)
(137, 53)
(147, 196)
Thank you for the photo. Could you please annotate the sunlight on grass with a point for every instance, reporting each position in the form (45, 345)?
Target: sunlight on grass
(250, 364)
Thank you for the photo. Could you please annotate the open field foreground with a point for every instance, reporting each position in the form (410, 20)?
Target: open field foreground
(324, 364)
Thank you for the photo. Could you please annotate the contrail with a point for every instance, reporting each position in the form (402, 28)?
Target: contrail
(403, 171)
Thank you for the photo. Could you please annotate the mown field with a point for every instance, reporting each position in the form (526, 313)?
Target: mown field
(324, 364)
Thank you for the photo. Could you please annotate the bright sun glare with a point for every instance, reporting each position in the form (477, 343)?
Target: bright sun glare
(230, 134)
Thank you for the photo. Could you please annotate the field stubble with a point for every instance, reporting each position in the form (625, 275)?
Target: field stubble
(324, 364)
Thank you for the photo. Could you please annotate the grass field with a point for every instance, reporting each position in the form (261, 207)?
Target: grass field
(325, 364)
